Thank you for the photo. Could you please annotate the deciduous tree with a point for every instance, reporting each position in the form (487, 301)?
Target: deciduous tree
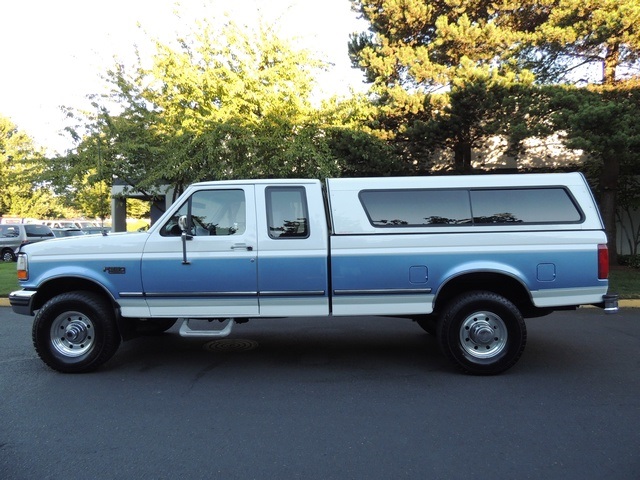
(222, 103)
(20, 166)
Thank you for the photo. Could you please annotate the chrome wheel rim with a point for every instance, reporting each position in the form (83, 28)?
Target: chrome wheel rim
(72, 334)
(483, 335)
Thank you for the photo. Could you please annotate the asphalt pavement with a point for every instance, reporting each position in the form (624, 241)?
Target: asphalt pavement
(350, 398)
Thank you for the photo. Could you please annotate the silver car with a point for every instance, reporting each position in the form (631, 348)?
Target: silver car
(13, 236)
(67, 232)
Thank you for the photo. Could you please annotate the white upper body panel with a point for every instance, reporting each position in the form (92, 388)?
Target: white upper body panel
(349, 216)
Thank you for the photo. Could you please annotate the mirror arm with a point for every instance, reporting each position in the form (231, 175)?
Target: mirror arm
(182, 222)
(184, 238)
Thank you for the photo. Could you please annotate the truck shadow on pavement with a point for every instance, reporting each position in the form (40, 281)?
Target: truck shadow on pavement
(377, 345)
(409, 350)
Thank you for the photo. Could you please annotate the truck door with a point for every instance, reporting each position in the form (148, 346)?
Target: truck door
(219, 276)
(293, 249)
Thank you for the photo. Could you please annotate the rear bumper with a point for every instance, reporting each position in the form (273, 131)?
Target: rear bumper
(20, 301)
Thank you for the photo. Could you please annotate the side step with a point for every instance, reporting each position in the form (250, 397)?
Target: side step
(186, 331)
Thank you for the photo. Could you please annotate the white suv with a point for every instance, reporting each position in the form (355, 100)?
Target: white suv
(13, 236)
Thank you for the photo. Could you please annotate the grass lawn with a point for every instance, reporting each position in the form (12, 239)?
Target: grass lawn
(8, 278)
(624, 281)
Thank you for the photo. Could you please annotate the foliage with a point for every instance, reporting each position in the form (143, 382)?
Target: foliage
(223, 103)
(632, 261)
(21, 165)
(586, 35)
(436, 67)
(138, 209)
(468, 118)
(628, 198)
(602, 121)
(439, 71)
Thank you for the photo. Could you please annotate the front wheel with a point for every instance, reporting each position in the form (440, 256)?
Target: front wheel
(75, 332)
(482, 333)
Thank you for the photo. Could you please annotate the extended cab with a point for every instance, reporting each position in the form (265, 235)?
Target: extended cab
(467, 257)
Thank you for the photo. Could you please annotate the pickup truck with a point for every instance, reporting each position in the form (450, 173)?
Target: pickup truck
(467, 258)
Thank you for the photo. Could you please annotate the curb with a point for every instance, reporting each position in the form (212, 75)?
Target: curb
(629, 303)
(4, 302)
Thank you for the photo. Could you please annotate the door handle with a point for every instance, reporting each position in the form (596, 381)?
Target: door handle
(241, 246)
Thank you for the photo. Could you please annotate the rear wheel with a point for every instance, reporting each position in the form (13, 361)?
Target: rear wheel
(75, 332)
(482, 333)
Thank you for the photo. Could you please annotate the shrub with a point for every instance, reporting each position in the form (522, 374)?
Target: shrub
(629, 260)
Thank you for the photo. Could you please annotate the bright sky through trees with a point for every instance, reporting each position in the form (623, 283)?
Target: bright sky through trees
(55, 52)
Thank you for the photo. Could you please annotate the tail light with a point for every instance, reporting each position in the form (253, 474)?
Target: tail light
(603, 262)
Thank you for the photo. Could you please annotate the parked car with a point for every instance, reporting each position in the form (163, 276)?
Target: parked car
(67, 232)
(82, 224)
(60, 224)
(95, 230)
(14, 236)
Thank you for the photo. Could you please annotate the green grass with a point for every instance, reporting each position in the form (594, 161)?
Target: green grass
(8, 278)
(624, 281)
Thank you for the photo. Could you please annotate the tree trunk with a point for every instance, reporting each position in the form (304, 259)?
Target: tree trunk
(611, 60)
(462, 156)
(611, 165)
(608, 202)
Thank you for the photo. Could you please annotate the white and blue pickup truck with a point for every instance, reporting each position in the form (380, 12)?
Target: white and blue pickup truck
(466, 257)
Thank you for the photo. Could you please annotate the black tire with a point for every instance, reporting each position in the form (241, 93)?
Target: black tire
(8, 255)
(75, 332)
(154, 326)
(482, 333)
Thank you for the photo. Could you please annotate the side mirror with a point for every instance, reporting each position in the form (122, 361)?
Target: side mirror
(182, 223)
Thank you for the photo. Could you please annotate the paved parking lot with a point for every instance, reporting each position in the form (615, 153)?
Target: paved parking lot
(328, 399)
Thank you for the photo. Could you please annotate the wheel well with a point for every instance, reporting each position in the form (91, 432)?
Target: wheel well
(68, 284)
(501, 284)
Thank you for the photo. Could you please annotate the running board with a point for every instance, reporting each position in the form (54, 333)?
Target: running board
(186, 331)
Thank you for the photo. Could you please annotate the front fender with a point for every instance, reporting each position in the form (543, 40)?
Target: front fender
(114, 281)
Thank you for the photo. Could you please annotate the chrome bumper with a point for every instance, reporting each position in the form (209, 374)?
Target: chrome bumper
(20, 301)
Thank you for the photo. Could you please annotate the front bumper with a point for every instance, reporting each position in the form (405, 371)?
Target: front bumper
(20, 301)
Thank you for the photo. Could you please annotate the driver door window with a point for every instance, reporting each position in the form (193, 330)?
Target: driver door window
(211, 213)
